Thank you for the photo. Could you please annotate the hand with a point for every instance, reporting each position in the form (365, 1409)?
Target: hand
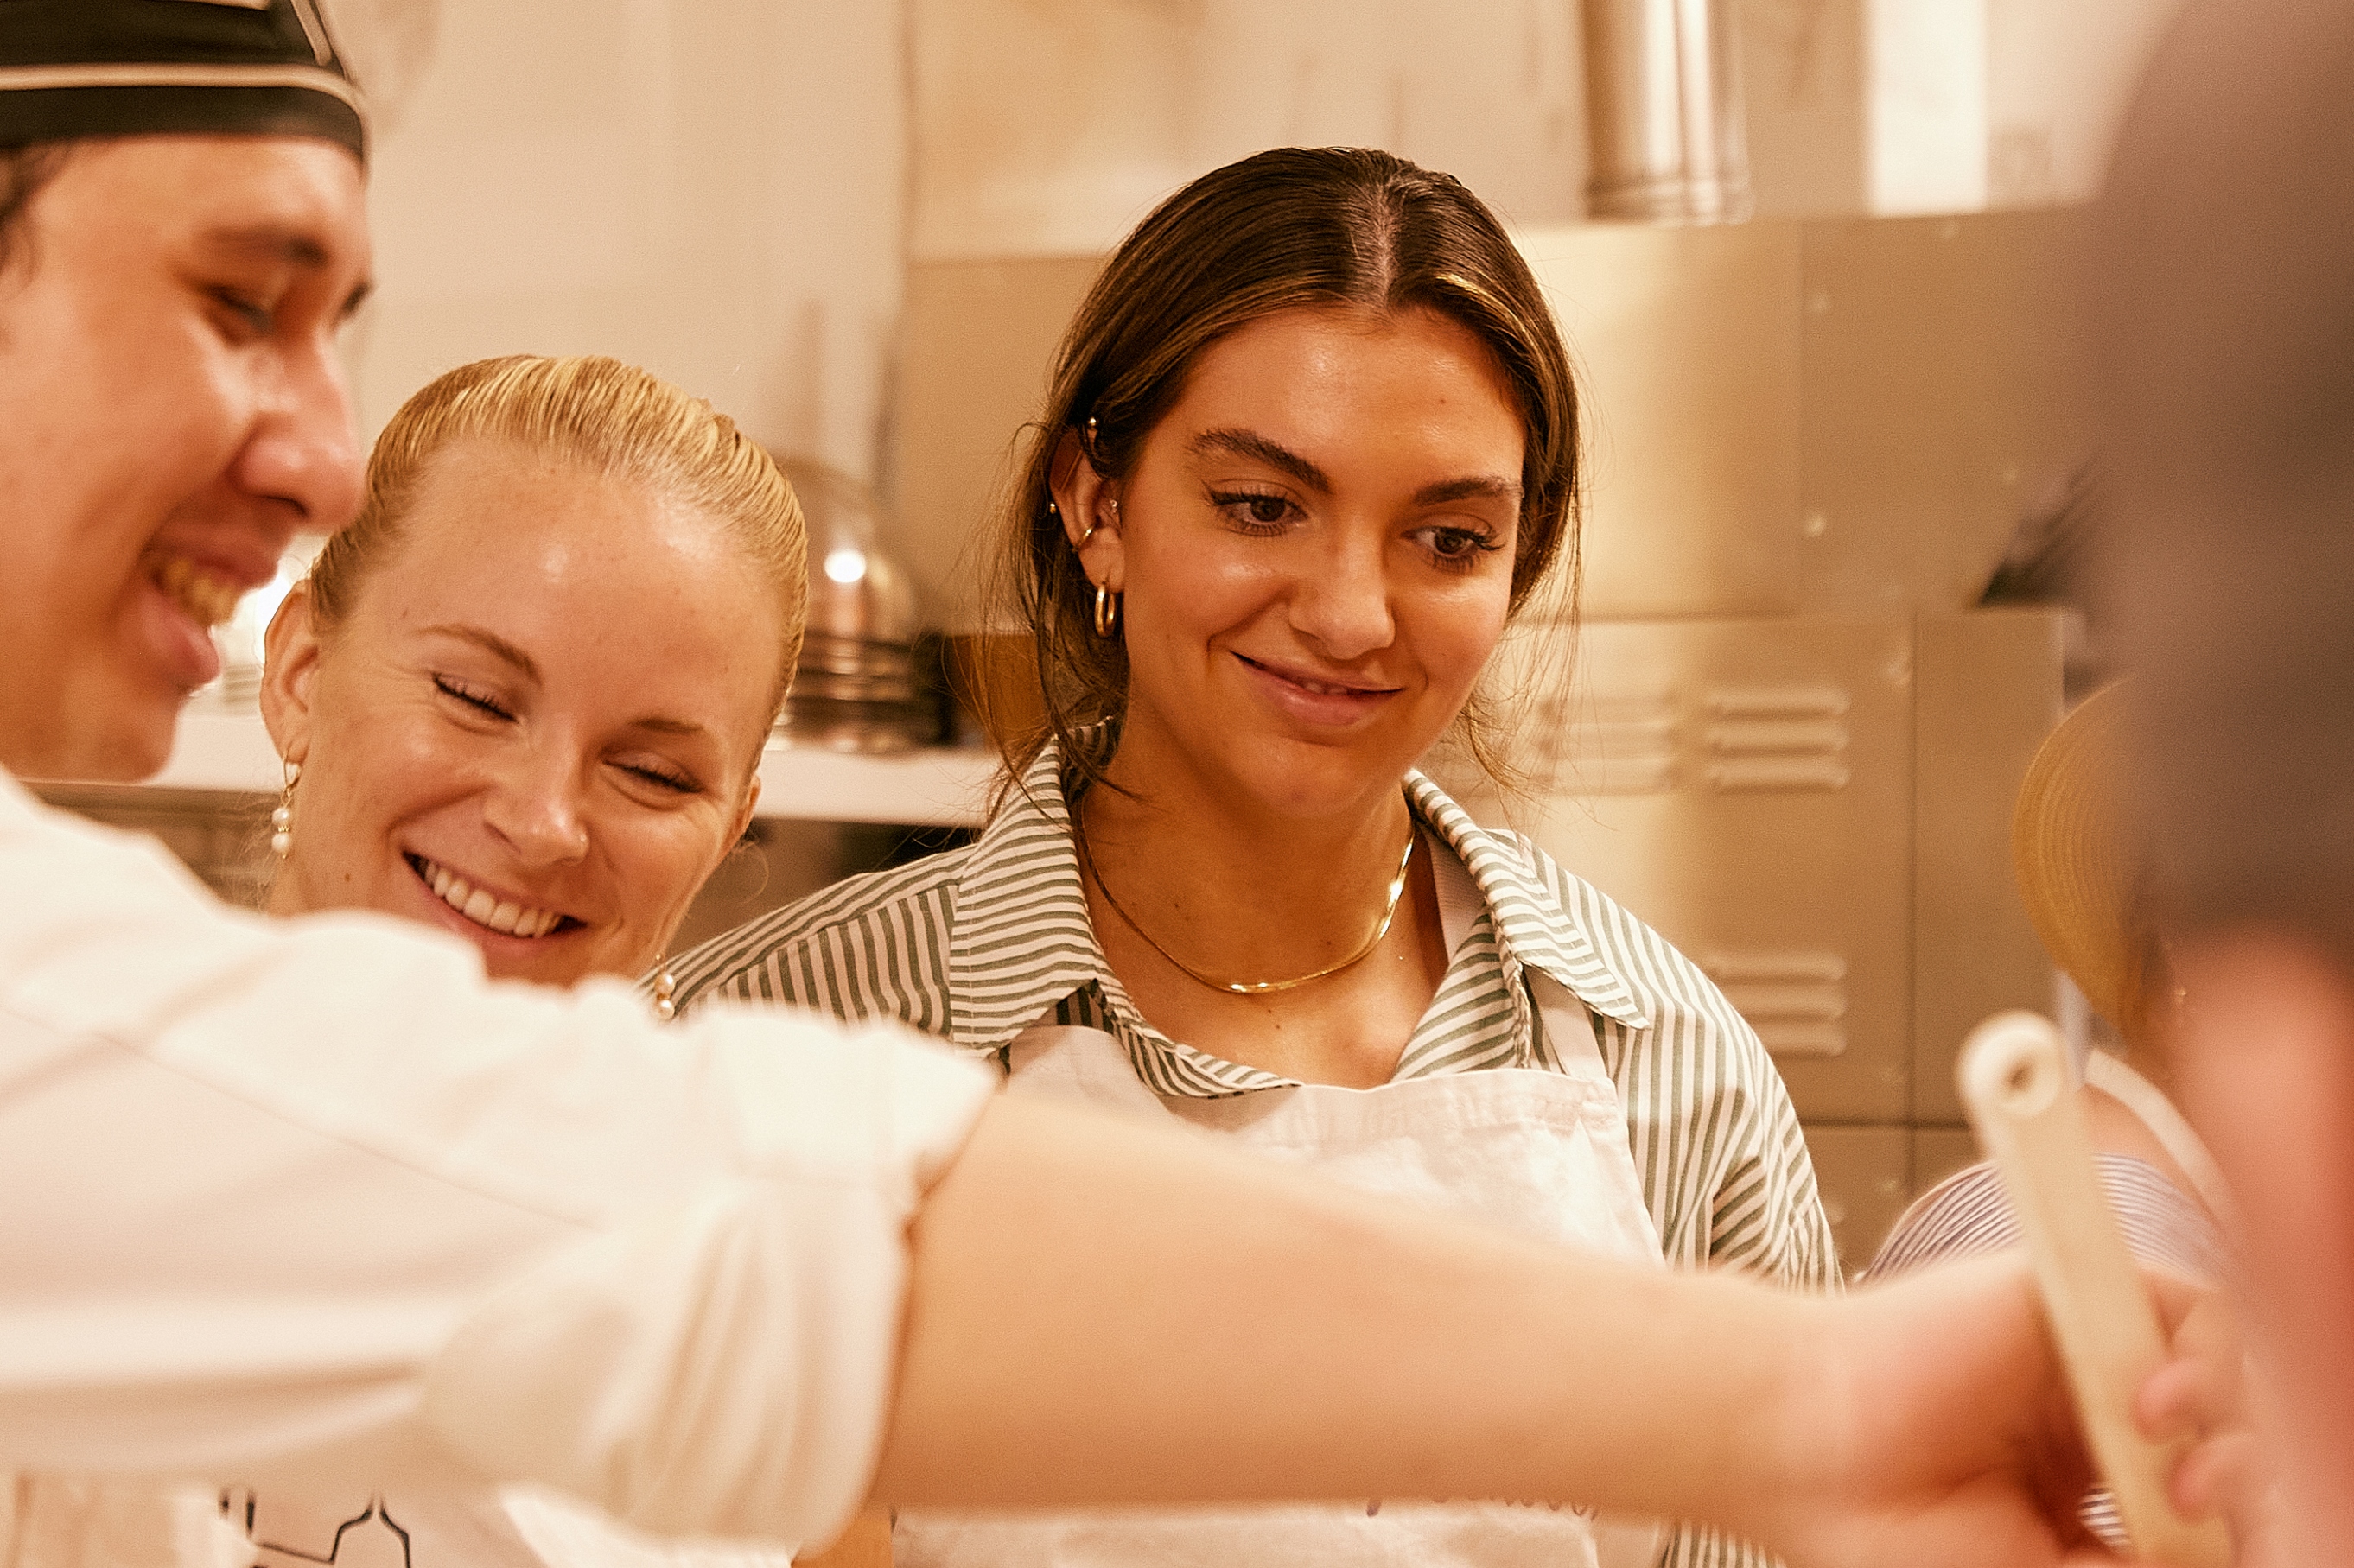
(2202, 1395)
(1928, 1425)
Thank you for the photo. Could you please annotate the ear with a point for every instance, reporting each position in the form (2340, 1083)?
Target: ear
(1090, 507)
(290, 672)
(744, 813)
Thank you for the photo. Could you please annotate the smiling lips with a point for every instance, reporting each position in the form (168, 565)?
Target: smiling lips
(508, 920)
(1314, 687)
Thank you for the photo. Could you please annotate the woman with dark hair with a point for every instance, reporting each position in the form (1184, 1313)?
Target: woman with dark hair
(1311, 444)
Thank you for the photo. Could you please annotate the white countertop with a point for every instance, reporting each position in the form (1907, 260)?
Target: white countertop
(935, 787)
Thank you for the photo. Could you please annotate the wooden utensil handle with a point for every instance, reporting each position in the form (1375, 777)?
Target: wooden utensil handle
(2014, 1081)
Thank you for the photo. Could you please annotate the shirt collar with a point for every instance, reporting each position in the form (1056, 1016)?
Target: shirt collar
(1533, 926)
(1022, 938)
(1024, 941)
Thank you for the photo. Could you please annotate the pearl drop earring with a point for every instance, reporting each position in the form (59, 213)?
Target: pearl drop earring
(281, 820)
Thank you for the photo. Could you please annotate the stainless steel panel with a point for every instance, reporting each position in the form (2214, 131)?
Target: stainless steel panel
(1987, 692)
(1863, 1173)
(977, 338)
(1687, 346)
(1664, 112)
(1945, 388)
(221, 835)
(1745, 786)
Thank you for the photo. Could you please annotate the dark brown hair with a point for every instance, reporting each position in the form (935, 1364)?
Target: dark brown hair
(1296, 227)
(24, 170)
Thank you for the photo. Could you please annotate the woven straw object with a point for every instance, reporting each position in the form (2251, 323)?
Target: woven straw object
(2070, 852)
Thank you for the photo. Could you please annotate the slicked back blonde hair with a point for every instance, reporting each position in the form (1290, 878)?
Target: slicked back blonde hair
(610, 419)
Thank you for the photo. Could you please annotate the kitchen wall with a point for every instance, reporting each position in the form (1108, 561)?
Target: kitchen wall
(712, 188)
(1051, 126)
(730, 191)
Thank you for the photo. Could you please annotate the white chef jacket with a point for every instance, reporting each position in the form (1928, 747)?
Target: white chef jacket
(311, 1205)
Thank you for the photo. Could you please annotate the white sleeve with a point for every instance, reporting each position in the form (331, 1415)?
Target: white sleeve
(312, 1200)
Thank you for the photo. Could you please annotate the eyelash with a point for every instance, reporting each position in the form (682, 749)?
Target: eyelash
(1480, 544)
(450, 687)
(257, 319)
(1230, 501)
(678, 783)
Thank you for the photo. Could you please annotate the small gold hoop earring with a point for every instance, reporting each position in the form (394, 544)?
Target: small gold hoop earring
(1107, 611)
(282, 819)
(666, 993)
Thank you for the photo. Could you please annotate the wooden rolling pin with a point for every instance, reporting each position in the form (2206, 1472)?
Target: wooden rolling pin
(2014, 1081)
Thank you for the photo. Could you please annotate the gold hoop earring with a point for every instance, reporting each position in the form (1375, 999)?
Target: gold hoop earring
(666, 993)
(1107, 611)
(282, 819)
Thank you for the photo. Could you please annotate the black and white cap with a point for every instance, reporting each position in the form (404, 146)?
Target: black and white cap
(70, 69)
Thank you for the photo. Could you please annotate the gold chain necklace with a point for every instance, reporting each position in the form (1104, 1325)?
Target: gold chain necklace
(1248, 988)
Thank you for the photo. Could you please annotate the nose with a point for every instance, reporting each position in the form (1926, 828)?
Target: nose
(536, 808)
(1342, 602)
(303, 452)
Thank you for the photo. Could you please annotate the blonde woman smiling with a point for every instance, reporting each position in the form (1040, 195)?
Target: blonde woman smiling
(1309, 445)
(527, 690)
(523, 699)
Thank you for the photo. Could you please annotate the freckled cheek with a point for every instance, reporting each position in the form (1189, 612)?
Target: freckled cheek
(660, 873)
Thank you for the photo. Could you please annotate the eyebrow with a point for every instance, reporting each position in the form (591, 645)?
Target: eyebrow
(1475, 487)
(490, 643)
(660, 724)
(1259, 449)
(293, 245)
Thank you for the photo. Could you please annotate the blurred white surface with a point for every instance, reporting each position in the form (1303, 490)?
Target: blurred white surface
(938, 786)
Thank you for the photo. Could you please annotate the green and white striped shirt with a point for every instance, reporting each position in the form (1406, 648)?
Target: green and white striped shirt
(977, 943)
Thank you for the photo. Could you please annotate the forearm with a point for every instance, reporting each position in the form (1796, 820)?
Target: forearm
(1099, 1313)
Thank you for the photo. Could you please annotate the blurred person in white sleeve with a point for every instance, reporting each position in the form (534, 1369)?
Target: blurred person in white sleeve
(310, 1203)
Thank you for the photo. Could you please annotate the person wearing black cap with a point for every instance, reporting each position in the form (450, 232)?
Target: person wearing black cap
(309, 1207)
(203, 238)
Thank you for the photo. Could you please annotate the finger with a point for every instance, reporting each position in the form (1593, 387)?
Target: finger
(2211, 1334)
(2225, 1474)
(2183, 1399)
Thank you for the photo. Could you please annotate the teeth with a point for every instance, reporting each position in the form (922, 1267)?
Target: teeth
(209, 599)
(507, 918)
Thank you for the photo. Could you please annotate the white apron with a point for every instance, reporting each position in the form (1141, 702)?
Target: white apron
(1540, 1152)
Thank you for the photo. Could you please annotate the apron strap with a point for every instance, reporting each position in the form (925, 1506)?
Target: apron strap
(1568, 1027)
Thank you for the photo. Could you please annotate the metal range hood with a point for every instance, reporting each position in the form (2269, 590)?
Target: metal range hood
(1664, 112)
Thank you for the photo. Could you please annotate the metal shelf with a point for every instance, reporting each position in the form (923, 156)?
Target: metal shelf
(935, 787)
